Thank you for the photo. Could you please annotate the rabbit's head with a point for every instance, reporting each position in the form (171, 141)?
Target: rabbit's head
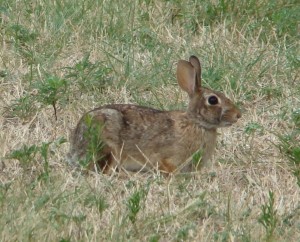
(208, 108)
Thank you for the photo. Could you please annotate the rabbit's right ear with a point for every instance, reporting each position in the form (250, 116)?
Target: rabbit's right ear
(189, 75)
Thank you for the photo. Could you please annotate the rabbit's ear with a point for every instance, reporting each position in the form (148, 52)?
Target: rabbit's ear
(196, 64)
(189, 75)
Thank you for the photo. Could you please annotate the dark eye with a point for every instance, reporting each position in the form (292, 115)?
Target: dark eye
(213, 100)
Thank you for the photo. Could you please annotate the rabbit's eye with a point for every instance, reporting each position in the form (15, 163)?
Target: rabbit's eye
(213, 100)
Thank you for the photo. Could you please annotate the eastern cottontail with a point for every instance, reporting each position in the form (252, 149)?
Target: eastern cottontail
(141, 138)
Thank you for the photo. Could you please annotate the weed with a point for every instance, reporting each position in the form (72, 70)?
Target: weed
(87, 75)
(97, 201)
(60, 217)
(154, 238)
(253, 127)
(29, 156)
(95, 143)
(44, 154)
(296, 118)
(289, 145)
(3, 73)
(41, 201)
(272, 92)
(268, 217)
(135, 202)
(196, 158)
(21, 34)
(23, 107)
(65, 240)
(134, 205)
(50, 91)
(24, 155)
(201, 208)
(3, 192)
(183, 233)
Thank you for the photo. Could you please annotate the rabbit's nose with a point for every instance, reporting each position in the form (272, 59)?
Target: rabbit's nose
(238, 115)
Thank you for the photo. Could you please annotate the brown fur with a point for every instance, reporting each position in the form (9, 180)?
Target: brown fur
(140, 138)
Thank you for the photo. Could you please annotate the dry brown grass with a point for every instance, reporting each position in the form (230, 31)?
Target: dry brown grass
(222, 204)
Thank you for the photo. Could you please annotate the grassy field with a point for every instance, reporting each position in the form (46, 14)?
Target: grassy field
(59, 59)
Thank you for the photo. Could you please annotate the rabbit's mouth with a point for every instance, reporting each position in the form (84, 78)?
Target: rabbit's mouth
(227, 123)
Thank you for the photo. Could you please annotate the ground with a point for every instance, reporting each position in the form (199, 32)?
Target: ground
(61, 59)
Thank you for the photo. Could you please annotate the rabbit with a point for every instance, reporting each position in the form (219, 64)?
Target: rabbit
(138, 138)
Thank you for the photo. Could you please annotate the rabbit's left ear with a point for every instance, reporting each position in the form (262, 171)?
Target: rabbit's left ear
(189, 75)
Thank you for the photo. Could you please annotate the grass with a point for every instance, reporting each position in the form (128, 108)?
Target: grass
(59, 59)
